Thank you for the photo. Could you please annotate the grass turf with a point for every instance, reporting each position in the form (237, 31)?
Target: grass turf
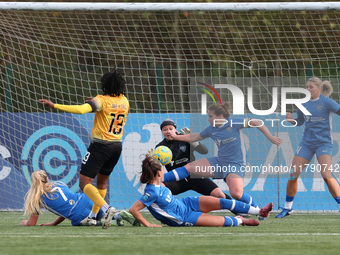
(295, 234)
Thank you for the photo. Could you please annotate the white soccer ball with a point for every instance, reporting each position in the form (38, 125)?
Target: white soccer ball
(163, 154)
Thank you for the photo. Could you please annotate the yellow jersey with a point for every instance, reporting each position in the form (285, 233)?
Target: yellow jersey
(110, 117)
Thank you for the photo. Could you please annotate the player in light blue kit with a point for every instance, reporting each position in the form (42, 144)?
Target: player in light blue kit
(58, 199)
(189, 211)
(226, 133)
(317, 139)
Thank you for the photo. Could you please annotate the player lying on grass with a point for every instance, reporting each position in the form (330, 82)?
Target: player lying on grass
(58, 199)
(189, 211)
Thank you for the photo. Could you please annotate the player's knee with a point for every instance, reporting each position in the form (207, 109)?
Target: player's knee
(217, 193)
(81, 186)
(236, 194)
(293, 178)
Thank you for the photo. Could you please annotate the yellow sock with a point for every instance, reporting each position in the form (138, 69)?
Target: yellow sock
(102, 193)
(93, 194)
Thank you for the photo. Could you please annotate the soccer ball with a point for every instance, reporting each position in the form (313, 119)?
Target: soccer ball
(163, 154)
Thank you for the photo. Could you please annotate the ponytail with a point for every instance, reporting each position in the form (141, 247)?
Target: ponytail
(325, 86)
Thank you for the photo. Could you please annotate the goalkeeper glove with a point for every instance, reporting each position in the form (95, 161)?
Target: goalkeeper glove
(187, 131)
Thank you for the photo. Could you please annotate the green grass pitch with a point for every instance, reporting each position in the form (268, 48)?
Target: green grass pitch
(295, 234)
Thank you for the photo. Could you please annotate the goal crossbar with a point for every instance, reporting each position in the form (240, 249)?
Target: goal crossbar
(255, 6)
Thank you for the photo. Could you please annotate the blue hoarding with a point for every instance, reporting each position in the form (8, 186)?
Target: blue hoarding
(57, 142)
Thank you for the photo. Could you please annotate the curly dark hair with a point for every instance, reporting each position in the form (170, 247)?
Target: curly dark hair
(113, 83)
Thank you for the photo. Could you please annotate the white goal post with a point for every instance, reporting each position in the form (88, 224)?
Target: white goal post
(251, 6)
(177, 58)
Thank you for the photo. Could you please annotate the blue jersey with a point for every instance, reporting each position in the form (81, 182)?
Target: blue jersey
(229, 140)
(63, 202)
(169, 210)
(318, 125)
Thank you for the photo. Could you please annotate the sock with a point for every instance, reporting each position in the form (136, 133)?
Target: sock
(239, 221)
(92, 214)
(176, 174)
(248, 200)
(254, 210)
(105, 207)
(95, 209)
(289, 202)
(230, 221)
(93, 194)
(337, 199)
(234, 206)
(102, 192)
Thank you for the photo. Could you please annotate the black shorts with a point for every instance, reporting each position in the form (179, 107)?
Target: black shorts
(100, 158)
(203, 186)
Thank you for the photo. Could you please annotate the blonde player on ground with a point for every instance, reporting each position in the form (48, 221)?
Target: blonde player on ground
(111, 110)
(57, 198)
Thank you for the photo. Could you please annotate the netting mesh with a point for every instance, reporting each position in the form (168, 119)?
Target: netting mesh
(61, 55)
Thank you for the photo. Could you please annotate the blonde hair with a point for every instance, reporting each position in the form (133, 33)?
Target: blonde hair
(40, 186)
(325, 86)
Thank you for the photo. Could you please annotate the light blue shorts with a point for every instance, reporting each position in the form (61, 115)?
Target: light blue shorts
(222, 169)
(306, 151)
(193, 210)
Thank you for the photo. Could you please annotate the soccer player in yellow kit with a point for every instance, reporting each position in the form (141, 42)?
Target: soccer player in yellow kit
(111, 110)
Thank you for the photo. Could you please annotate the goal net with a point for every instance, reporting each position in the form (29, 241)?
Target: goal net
(169, 55)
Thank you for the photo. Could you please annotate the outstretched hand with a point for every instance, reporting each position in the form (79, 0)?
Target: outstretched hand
(23, 222)
(88, 99)
(276, 140)
(174, 135)
(289, 118)
(154, 226)
(289, 115)
(47, 102)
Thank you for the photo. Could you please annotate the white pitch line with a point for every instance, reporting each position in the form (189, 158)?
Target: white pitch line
(172, 234)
